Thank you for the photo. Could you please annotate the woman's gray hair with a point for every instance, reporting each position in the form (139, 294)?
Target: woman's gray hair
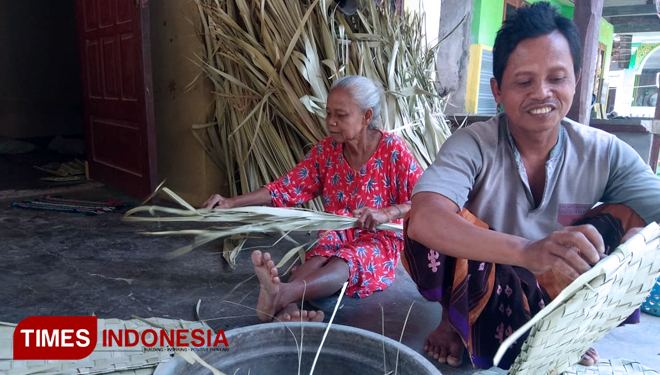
(366, 93)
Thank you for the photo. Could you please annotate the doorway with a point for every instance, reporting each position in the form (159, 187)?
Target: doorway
(41, 112)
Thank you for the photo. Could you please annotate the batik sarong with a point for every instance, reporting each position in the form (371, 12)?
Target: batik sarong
(487, 302)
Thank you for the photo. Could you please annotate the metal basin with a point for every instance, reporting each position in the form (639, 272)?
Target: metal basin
(271, 349)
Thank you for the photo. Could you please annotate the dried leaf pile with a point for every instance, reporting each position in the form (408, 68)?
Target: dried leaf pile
(271, 64)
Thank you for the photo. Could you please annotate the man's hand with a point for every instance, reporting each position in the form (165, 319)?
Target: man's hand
(217, 201)
(369, 218)
(571, 251)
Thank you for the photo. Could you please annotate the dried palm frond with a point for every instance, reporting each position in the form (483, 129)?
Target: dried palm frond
(250, 219)
(239, 221)
(231, 247)
(271, 64)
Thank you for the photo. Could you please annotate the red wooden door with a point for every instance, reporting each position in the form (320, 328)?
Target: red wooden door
(114, 48)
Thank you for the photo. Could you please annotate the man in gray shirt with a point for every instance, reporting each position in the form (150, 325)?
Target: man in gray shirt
(527, 175)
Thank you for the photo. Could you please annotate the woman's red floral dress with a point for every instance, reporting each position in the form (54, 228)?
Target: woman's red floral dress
(386, 179)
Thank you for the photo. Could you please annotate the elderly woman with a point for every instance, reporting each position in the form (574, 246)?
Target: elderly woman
(360, 171)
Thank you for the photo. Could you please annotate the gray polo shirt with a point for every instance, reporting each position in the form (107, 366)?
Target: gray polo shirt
(479, 168)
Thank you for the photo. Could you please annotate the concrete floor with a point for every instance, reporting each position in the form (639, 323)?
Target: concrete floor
(67, 264)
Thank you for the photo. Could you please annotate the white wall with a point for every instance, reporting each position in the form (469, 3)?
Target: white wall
(625, 88)
(432, 9)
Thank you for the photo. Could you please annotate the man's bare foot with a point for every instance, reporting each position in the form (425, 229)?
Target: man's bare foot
(269, 289)
(590, 357)
(291, 313)
(445, 345)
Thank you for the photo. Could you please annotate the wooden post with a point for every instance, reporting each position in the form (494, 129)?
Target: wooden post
(657, 108)
(587, 18)
(655, 144)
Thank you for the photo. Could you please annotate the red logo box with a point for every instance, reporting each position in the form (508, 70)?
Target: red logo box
(55, 337)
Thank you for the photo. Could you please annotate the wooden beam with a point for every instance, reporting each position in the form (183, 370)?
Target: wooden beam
(587, 18)
(638, 24)
(630, 10)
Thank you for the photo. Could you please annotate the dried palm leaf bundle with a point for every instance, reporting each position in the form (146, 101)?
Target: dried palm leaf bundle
(271, 63)
(228, 223)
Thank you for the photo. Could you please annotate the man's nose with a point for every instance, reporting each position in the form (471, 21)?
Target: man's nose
(541, 90)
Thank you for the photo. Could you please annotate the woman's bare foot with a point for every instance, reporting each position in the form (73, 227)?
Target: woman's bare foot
(291, 313)
(269, 289)
(445, 345)
(590, 357)
(316, 316)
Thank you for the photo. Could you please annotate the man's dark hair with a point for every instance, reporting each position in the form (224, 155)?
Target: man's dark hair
(531, 22)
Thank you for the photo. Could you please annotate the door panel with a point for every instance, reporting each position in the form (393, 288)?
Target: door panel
(113, 39)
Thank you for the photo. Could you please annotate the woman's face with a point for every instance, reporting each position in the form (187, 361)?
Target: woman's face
(345, 119)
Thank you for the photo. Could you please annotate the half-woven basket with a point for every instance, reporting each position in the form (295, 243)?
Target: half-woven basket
(587, 309)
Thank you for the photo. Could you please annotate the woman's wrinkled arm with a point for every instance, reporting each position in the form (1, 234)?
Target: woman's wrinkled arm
(260, 197)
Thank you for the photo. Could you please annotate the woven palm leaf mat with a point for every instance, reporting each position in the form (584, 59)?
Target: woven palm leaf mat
(51, 203)
(102, 360)
(609, 367)
(592, 305)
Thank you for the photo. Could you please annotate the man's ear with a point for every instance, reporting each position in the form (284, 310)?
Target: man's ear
(495, 89)
(577, 77)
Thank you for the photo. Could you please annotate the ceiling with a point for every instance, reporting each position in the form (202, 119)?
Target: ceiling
(634, 21)
(631, 16)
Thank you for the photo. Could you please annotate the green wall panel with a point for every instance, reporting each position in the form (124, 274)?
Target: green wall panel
(487, 19)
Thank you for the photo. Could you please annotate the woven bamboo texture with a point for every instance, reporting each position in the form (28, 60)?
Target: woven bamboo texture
(113, 360)
(603, 367)
(587, 309)
(612, 366)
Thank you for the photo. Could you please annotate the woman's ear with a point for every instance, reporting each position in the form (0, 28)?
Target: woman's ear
(368, 116)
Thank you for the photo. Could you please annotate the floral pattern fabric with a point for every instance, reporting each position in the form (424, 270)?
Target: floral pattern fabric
(386, 179)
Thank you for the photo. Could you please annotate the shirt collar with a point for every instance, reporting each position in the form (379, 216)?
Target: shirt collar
(554, 152)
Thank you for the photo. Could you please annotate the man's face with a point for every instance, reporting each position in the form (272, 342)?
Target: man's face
(538, 83)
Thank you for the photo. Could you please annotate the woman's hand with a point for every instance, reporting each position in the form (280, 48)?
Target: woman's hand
(369, 218)
(218, 201)
(570, 250)
(259, 197)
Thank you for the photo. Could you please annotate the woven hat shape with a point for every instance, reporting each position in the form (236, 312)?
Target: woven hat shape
(592, 305)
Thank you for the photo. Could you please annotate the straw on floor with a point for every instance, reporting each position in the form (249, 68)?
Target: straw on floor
(113, 360)
(50, 203)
